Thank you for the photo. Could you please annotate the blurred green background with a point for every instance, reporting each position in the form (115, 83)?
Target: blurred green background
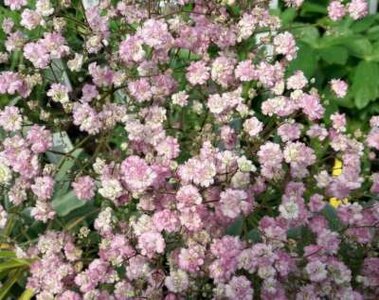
(344, 49)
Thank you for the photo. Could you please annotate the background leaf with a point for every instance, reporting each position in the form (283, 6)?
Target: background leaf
(365, 87)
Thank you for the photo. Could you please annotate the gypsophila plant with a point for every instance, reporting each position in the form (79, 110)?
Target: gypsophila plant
(164, 150)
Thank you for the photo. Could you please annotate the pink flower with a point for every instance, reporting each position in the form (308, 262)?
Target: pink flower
(245, 71)
(297, 81)
(339, 122)
(116, 249)
(188, 196)
(239, 288)
(312, 107)
(281, 106)
(155, 34)
(69, 295)
(180, 98)
(136, 174)
(191, 219)
(357, 9)
(222, 70)
(270, 75)
(198, 73)
(233, 203)
(86, 118)
(131, 50)
(30, 19)
(43, 187)
(177, 281)
(140, 89)
(339, 87)
(192, 258)
(151, 243)
(138, 267)
(89, 92)
(373, 138)
(15, 4)
(316, 271)
(374, 121)
(336, 10)
(375, 183)
(40, 139)
(84, 188)
(166, 220)
(58, 93)
(289, 132)
(102, 76)
(270, 157)
(11, 83)
(253, 126)
(38, 54)
(10, 118)
(285, 44)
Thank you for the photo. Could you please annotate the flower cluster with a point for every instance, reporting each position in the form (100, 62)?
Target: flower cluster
(200, 167)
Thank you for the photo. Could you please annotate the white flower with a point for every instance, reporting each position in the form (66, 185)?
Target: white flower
(99, 165)
(266, 272)
(177, 281)
(111, 189)
(44, 8)
(5, 174)
(3, 217)
(289, 210)
(104, 221)
(76, 63)
(58, 93)
(245, 165)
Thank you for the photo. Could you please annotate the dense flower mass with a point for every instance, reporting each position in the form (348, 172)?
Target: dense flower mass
(164, 150)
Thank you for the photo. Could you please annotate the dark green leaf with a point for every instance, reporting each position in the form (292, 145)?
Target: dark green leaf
(65, 204)
(334, 55)
(364, 24)
(254, 235)
(306, 61)
(330, 214)
(360, 47)
(235, 228)
(309, 7)
(365, 87)
(288, 16)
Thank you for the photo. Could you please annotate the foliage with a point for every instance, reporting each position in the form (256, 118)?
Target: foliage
(345, 49)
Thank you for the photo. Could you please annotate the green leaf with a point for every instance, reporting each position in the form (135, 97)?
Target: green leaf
(65, 204)
(13, 278)
(13, 263)
(7, 253)
(236, 228)
(254, 235)
(364, 24)
(66, 163)
(309, 7)
(334, 55)
(330, 214)
(365, 87)
(308, 34)
(288, 16)
(359, 47)
(374, 57)
(26, 295)
(373, 33)
(306, 61)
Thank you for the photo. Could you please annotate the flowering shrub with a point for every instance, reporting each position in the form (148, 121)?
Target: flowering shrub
(164, 150)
